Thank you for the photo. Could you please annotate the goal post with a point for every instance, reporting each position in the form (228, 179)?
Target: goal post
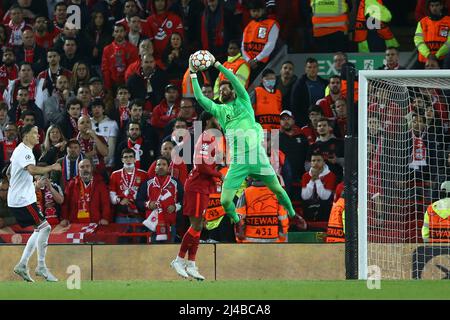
(402, 120)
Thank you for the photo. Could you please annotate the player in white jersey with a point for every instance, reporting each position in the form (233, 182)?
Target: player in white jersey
(22, 202)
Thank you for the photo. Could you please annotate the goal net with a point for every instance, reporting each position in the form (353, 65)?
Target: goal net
(403, 120)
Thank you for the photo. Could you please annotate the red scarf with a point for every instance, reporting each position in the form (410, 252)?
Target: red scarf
(136, 146)
(120, 58)
(127, 180)
(419, 155)
(8, 148)
(47, 204)
(15, 38)
(84, 201)
(123, 115)
(29, 55)
(31, 89)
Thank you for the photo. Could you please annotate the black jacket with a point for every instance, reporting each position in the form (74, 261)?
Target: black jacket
(138, 89)
(39, 58)
(300, 100)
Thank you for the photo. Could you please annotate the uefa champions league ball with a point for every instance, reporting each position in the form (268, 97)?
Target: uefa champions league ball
(201, 60)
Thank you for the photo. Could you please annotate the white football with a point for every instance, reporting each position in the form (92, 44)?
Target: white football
(201, 60)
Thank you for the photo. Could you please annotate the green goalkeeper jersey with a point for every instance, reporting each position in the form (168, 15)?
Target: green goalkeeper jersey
(237, 119)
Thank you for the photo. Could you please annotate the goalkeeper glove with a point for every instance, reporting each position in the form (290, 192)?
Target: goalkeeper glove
(191, 65)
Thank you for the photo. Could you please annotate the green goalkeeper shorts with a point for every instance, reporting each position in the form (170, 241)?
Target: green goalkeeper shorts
(238, 172)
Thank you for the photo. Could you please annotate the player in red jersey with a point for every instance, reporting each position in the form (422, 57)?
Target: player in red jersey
(199, 185)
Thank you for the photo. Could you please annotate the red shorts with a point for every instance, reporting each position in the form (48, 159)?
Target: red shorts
(195, 203)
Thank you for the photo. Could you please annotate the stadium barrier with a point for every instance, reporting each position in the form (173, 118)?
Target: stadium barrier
(216, 261)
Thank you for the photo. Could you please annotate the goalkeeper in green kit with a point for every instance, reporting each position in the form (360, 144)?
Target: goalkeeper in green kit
(244, 137)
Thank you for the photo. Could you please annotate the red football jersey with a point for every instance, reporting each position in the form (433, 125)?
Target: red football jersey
(200, 178)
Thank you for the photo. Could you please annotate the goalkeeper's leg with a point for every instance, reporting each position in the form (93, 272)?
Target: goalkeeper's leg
(271, 181)
(226, 199)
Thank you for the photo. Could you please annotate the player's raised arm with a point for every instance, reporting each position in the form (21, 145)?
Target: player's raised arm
(206, 103)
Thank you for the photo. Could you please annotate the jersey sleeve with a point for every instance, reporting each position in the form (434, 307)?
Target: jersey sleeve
(25, 158)
(206, 103)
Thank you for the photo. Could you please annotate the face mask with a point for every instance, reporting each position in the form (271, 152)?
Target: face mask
(128, 166)
(269, 84)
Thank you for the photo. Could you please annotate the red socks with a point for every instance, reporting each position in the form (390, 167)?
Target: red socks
(189, 244)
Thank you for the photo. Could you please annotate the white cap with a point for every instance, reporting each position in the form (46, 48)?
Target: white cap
(289, 113)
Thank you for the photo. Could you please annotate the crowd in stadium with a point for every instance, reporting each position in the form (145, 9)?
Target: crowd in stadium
(113, 86)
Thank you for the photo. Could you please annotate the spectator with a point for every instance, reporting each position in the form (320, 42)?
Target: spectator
(236, 63)
(331, 148)
(167, 110)
(3, 119)
(44, 32)
(25, 80)
(285, 82)
(219, 26)
(318, 185)
(181, 136)
(309, 131)
(84, 95)
(392, 60)
(54, 146)
(29, 118)
(178, 169)
(71, 53)
(432, 45)
(124, 186)
(8, 145)
(340, 123)
(207, 91)
(93, 146)
(306, 91)
(30, 52)
(421, 9)
(49, 197)
(80, 75)
(161, 24)
(16, 26)
(163, 195)
(145, 47)
(24, 103)
(55, 106)
(48, 76)
(130, 9)
(250, 204)
(259, 38)
(69, 164)
(328, 102)
(71, 32)
(6, 217)
(330, 25)
(87, 198)
(9, 70)
(117, 56)
(69, 121)
(372, 13)
(147, 131)
(190, 11)
(106, 128)
(175, 59)
(136, 142)
(121, 111)
(294, 145)
(266, 101)
(187, 113)
(99, 35)
(148, 84)
(60, 16)
(136, 33)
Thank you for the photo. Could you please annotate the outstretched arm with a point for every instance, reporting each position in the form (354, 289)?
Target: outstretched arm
(205, 102)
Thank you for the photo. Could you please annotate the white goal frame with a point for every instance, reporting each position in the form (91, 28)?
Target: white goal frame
(364, 76)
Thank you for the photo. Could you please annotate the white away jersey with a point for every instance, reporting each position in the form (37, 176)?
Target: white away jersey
(21, 191)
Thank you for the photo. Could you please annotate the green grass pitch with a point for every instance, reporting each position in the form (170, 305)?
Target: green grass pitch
(226, 290)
